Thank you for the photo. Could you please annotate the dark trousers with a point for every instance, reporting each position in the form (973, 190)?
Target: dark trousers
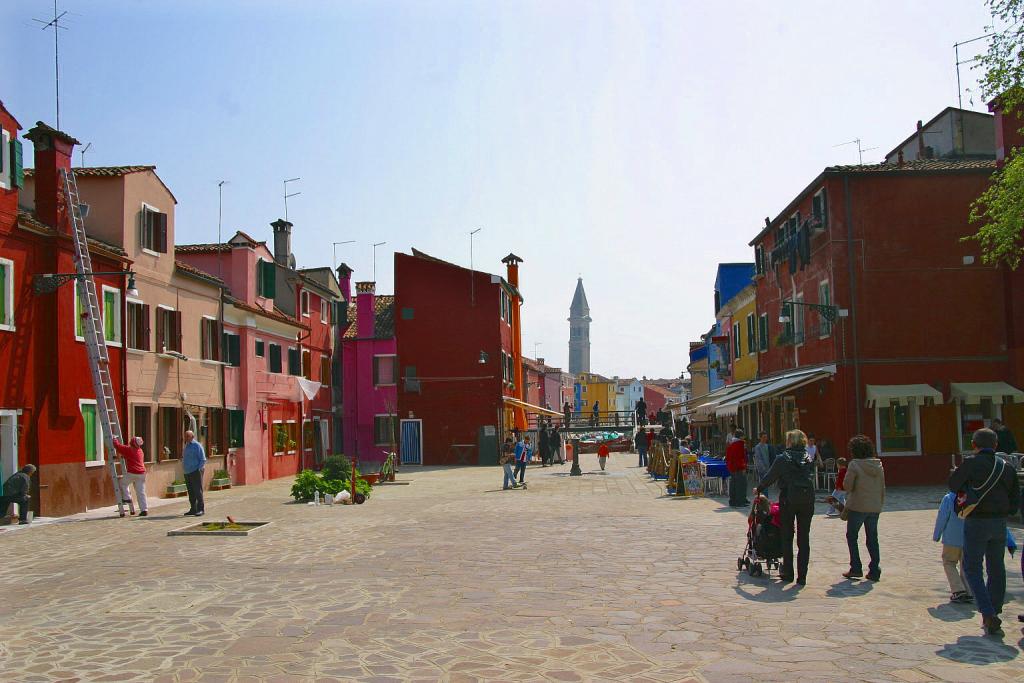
(22, 501)
(520, 470)
(194, 484)
(854, 521)
(986, 538)
(642, 450)
(737, 489)
(796, 518)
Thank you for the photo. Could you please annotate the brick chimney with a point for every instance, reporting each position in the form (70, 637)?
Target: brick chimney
(512, 268)
(345, 281)
(920, 141)
(53, 151)
(283, 243)
(1008, 127)
(366, 311)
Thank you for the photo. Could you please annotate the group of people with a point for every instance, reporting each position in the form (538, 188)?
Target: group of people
(193, 461)
(518, 450)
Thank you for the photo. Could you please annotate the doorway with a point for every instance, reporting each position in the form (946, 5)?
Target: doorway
(412, 442)
(8, 444)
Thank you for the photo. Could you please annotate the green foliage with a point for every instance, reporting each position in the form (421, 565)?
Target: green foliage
(309, 481)
(220, 474)
(178, 482)
(337, 467)
(1000, 208)
(305, 484)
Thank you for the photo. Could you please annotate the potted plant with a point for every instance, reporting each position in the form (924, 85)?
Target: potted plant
(220, 480)
(176, 488)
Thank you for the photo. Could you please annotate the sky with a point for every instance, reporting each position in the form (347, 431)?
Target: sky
(635, 144)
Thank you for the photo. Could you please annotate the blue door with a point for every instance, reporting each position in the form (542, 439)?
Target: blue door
(412, 442)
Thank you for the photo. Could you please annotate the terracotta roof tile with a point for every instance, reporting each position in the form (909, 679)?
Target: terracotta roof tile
(384, 318)
(201, 248)
(919, 165)
(273, 315)
(195, 272)
(108, 171)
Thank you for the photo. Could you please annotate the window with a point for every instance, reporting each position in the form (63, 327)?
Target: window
(266, 279)
(304, 303)
(236, 428)
(275, 358)
(153, 230)
(307, 435)
(759, 260)
(6, 294)
(138, 325)
(294, 362)
(142, 426)
(504, 368)
(286, 437)
(307, 364)
(819, 207)
(384, 370)
(260, 348)
(325, 308)
(974, 416)
(209, 339)
(168, 330)
(385, 429)
(825, 299)
(93, 432)
(751, 334)
(511, 368)
(171, 432)
(11, 173)
(408, 313)
(737, 344)
(798, 320)
(216, 431)
(506, 305)
(762, 332)
(325, 370)
(232, 349)
(79, 312)
(897, 428)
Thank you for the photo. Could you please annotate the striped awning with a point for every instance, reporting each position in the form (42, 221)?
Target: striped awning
(885, 394)
(774, 386)
(974, 392)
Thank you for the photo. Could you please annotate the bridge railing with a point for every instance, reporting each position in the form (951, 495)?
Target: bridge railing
(602, 420)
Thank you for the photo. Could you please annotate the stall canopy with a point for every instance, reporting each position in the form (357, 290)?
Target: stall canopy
(884, 394)
(718, 396)
(974, 392)
(775, 385)
(530, 408)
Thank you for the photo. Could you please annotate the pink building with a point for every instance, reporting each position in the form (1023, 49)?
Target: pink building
(370, 371)
(264, 391)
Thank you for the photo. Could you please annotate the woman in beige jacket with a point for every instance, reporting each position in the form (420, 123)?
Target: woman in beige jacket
(865, 496)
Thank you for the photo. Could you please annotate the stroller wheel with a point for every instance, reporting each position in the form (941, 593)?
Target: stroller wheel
(739, 564)
(755, 570)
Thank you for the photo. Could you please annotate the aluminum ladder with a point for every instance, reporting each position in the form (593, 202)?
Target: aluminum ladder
(95, 342)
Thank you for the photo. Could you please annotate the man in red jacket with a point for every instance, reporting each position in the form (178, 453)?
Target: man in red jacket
(736, 463)
(134, 464)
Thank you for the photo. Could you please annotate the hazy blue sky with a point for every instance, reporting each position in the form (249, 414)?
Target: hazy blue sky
(636, 143)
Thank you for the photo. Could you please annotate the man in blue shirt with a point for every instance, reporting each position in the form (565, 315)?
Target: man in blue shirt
(523, 453)
(193, 462)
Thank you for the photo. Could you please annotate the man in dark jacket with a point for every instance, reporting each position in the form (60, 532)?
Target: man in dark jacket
(995, 483)
(567, 414)
(641, 412)
(543, 444)
(16, 490)
(795, 475)
(641, 447)
(1007, 444)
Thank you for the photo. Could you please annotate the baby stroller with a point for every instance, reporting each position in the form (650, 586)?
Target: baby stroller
(764, 538)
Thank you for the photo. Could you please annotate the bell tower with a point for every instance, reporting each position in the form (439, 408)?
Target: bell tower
(579, 331)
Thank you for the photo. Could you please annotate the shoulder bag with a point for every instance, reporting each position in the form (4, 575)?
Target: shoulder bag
(970, 498)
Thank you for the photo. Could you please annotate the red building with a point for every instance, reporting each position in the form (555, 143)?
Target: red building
(921, 350)
(458, 359)
(316, 309)
(48, 408)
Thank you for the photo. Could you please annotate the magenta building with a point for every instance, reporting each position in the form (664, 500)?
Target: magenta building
(369, 373)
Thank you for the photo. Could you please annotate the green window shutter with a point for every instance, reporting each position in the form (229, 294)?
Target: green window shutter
(294, 362)
(17, 170)
(234, 355)
(109, 316)
(79, 310)
(236, 428)
(267, 279)
(275, 358)
(89, 422)
(3, 294)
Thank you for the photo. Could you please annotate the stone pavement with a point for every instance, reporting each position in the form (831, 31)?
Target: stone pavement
(450, 578)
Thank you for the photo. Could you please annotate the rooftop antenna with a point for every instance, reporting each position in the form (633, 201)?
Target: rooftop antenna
(83, 151)
(860, 150)
(55, 25)
(472, 276)
(959, 88)
(220, 216)
(375, 259)
(535, 345)
(286, 195)
(335, 245)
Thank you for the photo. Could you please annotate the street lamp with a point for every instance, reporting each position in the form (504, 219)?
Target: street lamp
(47, 283)
(829, 313)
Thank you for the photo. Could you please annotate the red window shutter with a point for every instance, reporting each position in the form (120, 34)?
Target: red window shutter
(177, 331)
(219, 331)
(160, 230)
(144, 327)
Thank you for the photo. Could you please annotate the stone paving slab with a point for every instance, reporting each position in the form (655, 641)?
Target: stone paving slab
(596, 578)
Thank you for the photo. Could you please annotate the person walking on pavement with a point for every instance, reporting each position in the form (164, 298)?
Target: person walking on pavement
(193, 462)
(641, 412)
(762, 456)
(990, 485)
(543, 444)
(16, 490)
(602, 455)
(523, 453)
(795, 475)
(640, 440)
(949, 529)
(1007, 444)
(595, 413)
(567, 413)
(135, 472)
(506, 460)
(865, 496)
(736, 463)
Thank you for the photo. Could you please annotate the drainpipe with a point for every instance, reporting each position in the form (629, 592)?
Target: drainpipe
(848, 206)
(223, 393)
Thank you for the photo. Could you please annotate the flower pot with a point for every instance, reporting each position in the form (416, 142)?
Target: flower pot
(175, 490)
(219, 484)
(370, 479)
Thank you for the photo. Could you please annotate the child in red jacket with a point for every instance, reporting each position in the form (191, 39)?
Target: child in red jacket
(736, 463)
(602, 454)
(839, 494)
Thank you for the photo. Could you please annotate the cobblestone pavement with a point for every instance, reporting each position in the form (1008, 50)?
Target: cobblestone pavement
(450, 578)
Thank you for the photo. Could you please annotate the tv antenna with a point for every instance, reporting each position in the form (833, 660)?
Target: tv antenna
(335, 245)
(472, 275)
(220, 206)
(56, 26)
(860, 149)
(956, 56)
(286, 195)
(377, 244)
(83, 151)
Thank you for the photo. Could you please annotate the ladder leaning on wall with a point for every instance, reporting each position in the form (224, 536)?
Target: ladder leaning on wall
(95, 342)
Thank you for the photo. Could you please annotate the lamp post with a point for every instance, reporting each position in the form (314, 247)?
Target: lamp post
(575, 471)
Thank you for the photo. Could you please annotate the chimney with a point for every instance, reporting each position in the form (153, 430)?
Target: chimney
(920, 141)
(283, 243)
(53, 151)
(1008, 133)
(512, 267)
(366, 312)
(345, 281)
(899, 158)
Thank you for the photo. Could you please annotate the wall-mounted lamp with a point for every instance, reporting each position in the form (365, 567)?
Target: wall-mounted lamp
(829, 313)
(47, 283)
(483, 358)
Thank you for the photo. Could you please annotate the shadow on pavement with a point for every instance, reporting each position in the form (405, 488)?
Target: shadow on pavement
(952, 612)
(773, 590)
(978, 650)
(848, 588)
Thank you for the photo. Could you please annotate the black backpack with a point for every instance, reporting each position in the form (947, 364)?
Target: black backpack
(798, 479)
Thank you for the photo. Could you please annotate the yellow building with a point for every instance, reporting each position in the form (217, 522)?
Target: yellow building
(698, 370)
(594, 387)
(739, 318)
